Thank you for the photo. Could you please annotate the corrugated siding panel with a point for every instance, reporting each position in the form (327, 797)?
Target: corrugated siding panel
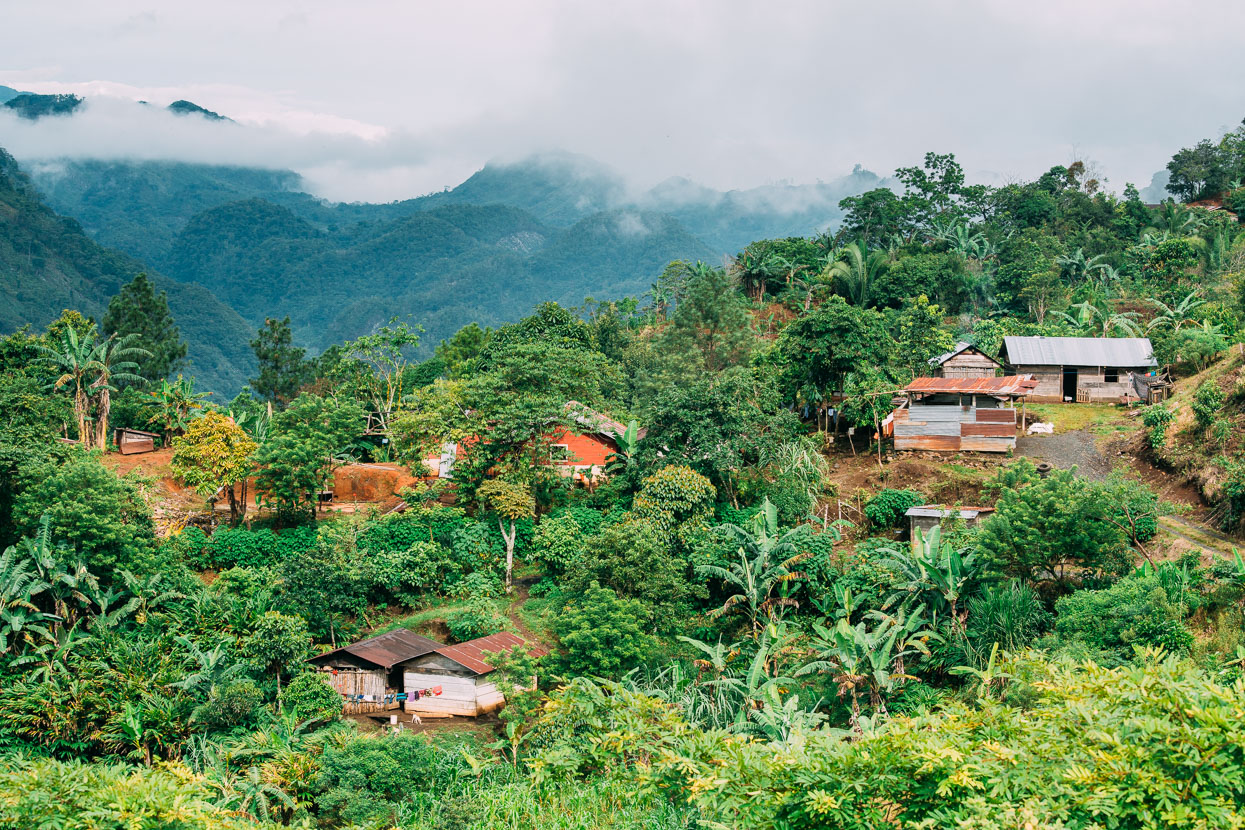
(930, 443)
(988, 430)
(996, 416)
(987, 444)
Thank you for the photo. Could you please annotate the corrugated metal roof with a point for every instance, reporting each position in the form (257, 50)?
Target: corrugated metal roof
(934, 511)
(386, 650)
(1126, 352)
(471, 653)
(1010, 385)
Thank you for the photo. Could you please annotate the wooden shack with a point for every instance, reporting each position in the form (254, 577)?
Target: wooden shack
(965, 361)
(367, 672)
(926, 517)
(1081, 369)
(960, 414)
(134, 441)
(459, 676)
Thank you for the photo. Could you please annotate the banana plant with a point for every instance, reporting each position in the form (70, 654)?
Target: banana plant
(932, 573)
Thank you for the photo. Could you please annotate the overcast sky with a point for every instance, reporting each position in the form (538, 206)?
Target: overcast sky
(385, 100)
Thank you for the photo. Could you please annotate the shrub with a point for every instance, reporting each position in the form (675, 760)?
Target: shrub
(422, 566)
(1206, 403)
(364, 780)
(1010, 614)
(398, 531)
(558, 544)
(601, 634)
(888, 507)
(1123, 748)
(229, 706)
(1156, 419)
(478, 619)
(232, 547)
(190, 546)
(634, 560)
(678, 501)
(308, 697)
(1135, 610)
(1056, 529)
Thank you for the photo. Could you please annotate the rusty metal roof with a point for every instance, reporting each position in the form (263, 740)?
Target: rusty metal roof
(471, 653)
(1011, 386)
(385, 650)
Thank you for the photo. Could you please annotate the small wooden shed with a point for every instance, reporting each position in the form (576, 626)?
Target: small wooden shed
(134, 441)
(926, 517)
(459, 676)
(965, 361)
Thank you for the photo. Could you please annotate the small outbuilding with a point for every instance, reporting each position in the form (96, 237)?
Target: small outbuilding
(1081, 369)
(134, 441)
(926, 517)
(965, 361)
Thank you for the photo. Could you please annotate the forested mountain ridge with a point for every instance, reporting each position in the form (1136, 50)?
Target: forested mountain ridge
(48, 264)
(553, 226)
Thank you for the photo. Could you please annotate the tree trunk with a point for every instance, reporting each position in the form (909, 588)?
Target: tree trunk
(80, 407)
(509, 539)
(101, 424)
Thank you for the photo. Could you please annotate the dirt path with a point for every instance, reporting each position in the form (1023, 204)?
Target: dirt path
(521, 595)
(1065, 450)
(1209, 541)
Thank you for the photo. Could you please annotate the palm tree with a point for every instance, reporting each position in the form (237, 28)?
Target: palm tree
(175, 403)
(860, 656)
(932, 573)
(1178, 317)
(1077, 266)
(20, 585)
(74, 357)
(754, 271)
(765, 562)
(113, 363)
(857, 272)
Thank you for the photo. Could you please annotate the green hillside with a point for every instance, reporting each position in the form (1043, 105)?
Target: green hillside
(48, 264)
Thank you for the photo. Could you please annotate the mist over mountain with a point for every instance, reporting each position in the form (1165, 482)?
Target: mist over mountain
(550, 226)
(48, 264)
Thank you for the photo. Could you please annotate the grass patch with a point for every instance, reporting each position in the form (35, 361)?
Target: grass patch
(1100, 418)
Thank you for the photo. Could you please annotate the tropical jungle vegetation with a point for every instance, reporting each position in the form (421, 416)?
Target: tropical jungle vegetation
(728, 645)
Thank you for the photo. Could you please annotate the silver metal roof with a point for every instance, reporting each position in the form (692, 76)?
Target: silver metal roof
(927, 512)
(1128, 352)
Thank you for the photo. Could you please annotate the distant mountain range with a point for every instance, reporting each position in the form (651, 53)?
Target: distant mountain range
(550, 227)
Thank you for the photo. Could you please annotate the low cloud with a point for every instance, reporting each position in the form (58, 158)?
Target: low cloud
(393, 99)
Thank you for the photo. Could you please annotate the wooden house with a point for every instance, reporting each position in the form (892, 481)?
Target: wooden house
(965, 361)
(459, 677)
(954, 414)
(402, 670)
(1081, 369)
(134, 441)
(371, 668)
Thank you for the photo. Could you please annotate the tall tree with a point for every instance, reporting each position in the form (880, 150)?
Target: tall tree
(139, 310)
(116, 361)
(712, 319)
(282, 368)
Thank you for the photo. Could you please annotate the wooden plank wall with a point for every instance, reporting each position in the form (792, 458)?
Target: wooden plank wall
(349, 682)
(968, 365)
(459, 695)
(951, 428)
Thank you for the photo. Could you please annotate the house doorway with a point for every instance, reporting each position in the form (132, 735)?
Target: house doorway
(1069, 384)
